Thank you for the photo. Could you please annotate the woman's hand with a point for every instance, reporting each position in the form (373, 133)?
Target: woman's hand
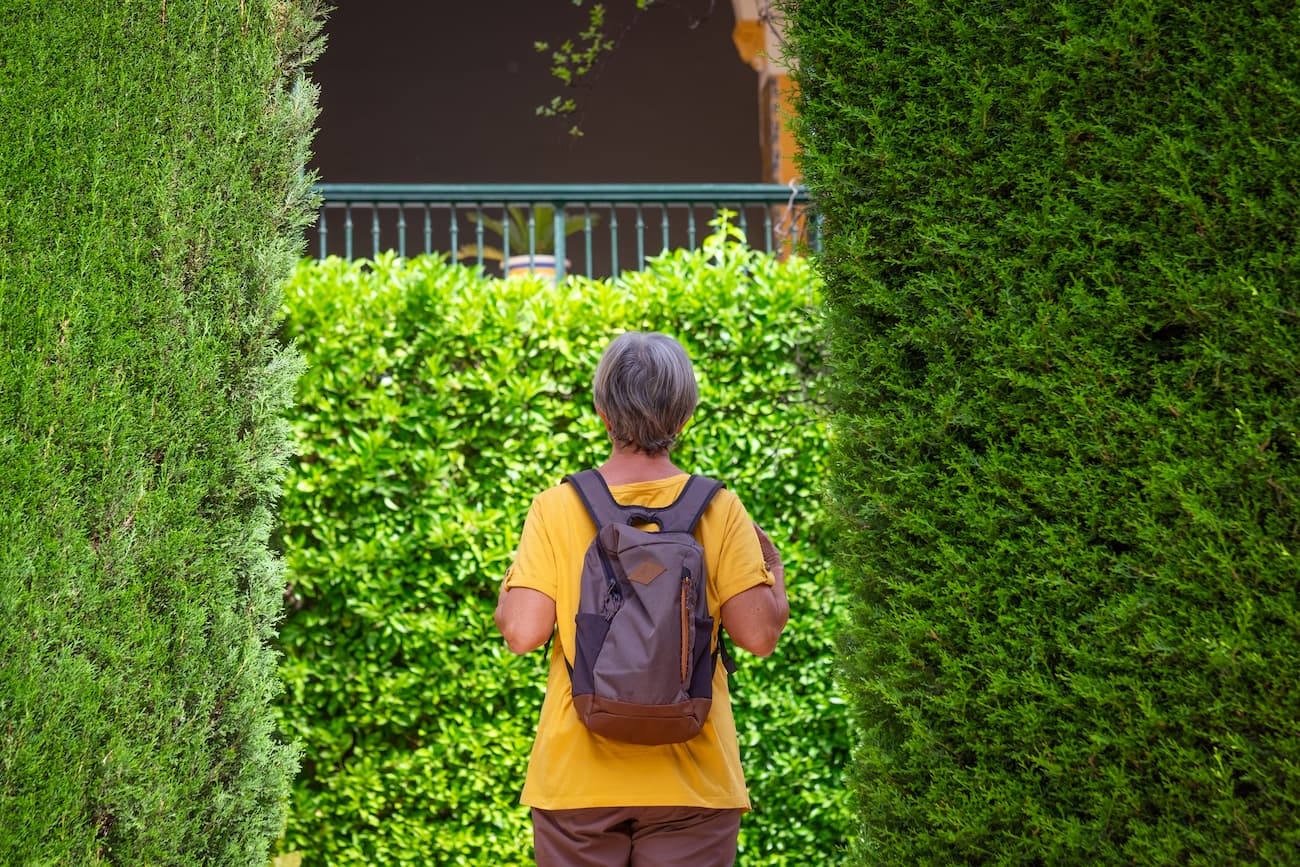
(771, 556)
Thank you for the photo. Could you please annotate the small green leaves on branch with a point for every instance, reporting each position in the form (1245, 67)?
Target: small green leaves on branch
(574, 59)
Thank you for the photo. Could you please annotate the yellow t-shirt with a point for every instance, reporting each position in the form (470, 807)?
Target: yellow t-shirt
(571, 768)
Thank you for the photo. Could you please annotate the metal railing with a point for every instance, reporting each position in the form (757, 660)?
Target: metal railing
(593, 229)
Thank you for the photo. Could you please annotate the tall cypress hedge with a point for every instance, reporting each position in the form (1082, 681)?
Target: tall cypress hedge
(151, 204)
(1062, 271)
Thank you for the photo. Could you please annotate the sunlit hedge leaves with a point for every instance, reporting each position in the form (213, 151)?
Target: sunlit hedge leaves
(437, 403)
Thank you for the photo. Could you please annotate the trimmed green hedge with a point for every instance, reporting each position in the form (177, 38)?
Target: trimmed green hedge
(1062, 271)
(151, 205)
(437, 403)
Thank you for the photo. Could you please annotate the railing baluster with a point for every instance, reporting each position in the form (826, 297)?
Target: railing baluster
(557, 227)
(663, 211)
(505, 236)
(401, 231)
(428, 230)
(690, 225)
(479, 239)
(613, 239)
(454, 231)
(640, 236)
(347, 232)
(324, 232)
(767, 228)
(532, 233)
(742, 223)
(587, 211)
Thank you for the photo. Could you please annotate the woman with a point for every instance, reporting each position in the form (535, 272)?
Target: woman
(595, 800)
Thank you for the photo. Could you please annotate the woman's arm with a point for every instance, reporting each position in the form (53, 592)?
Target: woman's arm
(525, 617)
(754, 618)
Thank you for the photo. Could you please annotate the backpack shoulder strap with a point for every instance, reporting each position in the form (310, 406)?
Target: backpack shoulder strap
(595, 495)
(686, 510)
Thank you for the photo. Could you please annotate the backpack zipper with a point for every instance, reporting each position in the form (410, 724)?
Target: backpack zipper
(613, 593)
(686, 623)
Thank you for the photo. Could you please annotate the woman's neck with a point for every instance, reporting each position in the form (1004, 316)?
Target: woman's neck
(627, 466)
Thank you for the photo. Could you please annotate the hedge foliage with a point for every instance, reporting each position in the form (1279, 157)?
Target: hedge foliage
(151, 206)
(437, 403)
(1063, 279)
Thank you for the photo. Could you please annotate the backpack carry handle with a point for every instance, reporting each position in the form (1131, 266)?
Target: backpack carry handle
(681, 516)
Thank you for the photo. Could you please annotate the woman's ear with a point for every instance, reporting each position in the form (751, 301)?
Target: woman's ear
(604, 419)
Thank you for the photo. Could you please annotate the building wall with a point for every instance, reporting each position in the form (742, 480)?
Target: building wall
(437, 92)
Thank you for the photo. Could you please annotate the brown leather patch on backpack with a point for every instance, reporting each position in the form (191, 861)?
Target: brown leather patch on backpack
(646, 572)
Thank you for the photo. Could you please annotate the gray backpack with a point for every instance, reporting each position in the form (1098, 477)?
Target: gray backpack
(643, 662)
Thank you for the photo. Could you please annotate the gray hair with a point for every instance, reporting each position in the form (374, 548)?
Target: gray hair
(645, 386)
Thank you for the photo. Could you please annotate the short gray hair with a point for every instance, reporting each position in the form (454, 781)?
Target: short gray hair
(645, 386)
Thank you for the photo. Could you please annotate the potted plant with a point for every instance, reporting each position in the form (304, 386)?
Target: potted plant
(514, 231)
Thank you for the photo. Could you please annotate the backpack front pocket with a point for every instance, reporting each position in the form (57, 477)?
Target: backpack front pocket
(591, 632)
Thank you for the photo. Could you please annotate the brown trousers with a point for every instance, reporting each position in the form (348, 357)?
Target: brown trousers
(635, 837)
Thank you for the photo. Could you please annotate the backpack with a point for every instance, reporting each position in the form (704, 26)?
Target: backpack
(643, 665)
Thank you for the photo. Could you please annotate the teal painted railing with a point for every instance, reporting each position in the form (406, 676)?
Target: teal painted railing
(608, 225)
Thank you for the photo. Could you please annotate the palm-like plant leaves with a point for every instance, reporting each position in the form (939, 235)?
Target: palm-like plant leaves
(517, 231)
